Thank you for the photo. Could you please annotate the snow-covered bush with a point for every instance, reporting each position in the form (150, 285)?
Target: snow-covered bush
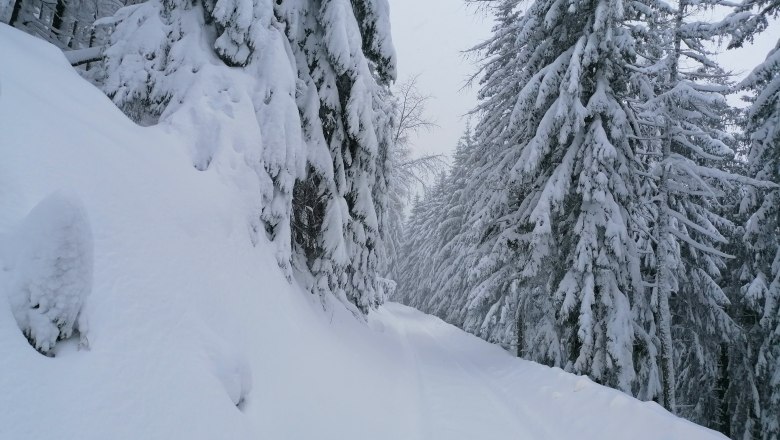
(51, 271)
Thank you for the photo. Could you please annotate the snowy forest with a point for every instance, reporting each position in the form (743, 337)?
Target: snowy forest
(611, 214)
(612, 208)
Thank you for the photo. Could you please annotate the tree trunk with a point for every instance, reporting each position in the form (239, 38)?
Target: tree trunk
(15, 12)
(723, 417)
(663, 289)
(56, 21)
(92, 36)
(520, 334)
(664, 273)
(72, 36)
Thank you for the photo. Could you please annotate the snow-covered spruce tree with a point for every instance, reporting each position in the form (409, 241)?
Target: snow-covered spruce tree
(345, 61)
(760, 273)
(737, 415)
(408, 289)
(453, 251)
(421, 245)
(762, 291)
(307, 108)
(687, 264)
(431, 273)
(684, 114)
(559, 184)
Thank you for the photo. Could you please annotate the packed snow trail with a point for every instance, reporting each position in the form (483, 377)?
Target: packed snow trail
(506, 397)
(195, 333)
(448, 388)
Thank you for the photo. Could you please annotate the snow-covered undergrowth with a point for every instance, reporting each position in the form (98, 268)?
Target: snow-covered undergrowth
(194, 333)
(49, 260)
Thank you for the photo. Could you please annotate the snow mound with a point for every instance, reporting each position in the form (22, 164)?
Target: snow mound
(196, 334)
(50, 260)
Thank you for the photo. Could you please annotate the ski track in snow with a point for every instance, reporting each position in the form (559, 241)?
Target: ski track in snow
(449, 387)
(415, 375)
(505, 397)
(517, 418)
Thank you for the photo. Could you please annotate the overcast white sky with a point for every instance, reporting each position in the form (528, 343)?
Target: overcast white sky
(429, 37)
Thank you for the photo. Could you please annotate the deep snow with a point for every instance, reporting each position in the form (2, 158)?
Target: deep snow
(196, 334)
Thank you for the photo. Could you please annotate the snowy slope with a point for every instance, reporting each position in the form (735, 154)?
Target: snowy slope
(186, 317)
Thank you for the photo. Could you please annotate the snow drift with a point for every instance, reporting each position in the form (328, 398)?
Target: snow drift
(51, 271)
(196, 334)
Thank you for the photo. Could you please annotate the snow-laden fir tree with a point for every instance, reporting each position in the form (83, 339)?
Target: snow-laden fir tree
(308, 111)
(760, 272)
(432, 279)
(345, 61)
(736, 387)
(687, 265)
(762, 291)
(453, 251)
(407, 293)
(420, 246)
(684, 115)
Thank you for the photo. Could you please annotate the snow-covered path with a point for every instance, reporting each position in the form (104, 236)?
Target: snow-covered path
(450, 384)
(504, 397)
